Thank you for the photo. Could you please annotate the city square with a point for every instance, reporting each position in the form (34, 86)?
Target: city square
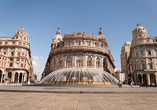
(78, 55)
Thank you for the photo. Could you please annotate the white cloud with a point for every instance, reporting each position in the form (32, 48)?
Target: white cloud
(38, 65)
(116, 69)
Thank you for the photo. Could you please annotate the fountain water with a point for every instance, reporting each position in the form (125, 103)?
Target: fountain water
(79, 76)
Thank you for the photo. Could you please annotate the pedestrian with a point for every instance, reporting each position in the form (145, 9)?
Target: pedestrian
(4, 82)
(146, 82)
(132, 84)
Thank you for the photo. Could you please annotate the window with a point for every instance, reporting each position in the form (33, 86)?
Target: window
(139, 35)
(19, 48)
(135, 36)
(5, 48)
(79, 43)
(23, 44)
(140, 41)
(20, 43)
(0, 43)
(60, 64)
(21, 65)
(13, 43)
(12, 53)
(79, 57)
(16, 37)
(136, 54)
(18, 54)
(6, 43)
(89, 58)
(69, 58)
(69, 64)
(78, 63)
(23, 49)
(88, 43)
(147, 40)
(20, 37)
(150, 59)
(22, 60)
(58, 40)
(12, 48)
(17, 64)
(151, 67)
(69, 43)
(23, 54)
(18, 59)
(97, 62)
(141, 53)
(24, 38)
(5, 53)
(149, 52)
(11, 64)
(141, 47)
(143, 66)
(11, 59)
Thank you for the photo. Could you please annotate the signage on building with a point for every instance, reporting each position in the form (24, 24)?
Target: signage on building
(22, 56)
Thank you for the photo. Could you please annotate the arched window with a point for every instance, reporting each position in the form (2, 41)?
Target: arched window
(69, 58)
(79, 61)
(60, 62)
(89, 58)
(89, 61)
(60, 58)
(69, 61)
(97, 62)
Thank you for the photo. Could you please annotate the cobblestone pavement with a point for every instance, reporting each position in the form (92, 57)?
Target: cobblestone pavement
(61, 101)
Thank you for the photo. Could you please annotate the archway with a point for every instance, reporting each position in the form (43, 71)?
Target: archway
(0, 76)
(144, 78)
(9, 75)
(16, 77)
(20, 78)
(139, 78)
(152, 79)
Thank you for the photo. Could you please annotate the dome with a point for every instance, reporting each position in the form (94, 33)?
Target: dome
(58, 37)
(139, 31)
(100, 36)
(22, 31)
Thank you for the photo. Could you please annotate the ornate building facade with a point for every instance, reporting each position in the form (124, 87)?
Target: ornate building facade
(79, 50)
(142, 61)
(15, 58)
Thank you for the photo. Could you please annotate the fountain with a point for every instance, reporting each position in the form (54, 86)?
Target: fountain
(88, 76)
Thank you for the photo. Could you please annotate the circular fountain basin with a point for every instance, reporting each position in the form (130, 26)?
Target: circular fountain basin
(85, 76)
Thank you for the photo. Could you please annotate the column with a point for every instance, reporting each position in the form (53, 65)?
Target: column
(156, 78)
(94, 62)
(148, 76)
(18, 77)
(12, 77)
(1, 78)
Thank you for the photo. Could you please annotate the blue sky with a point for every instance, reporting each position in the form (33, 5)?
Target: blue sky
(41, 18)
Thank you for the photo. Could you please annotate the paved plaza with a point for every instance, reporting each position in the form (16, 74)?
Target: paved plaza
(61, 101)
(77, 89)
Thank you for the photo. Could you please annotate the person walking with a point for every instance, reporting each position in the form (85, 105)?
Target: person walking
(132, 84)
(146, 82)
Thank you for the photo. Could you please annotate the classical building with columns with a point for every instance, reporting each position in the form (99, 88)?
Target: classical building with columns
(79, 50)
(142, 61)
(15, 58)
